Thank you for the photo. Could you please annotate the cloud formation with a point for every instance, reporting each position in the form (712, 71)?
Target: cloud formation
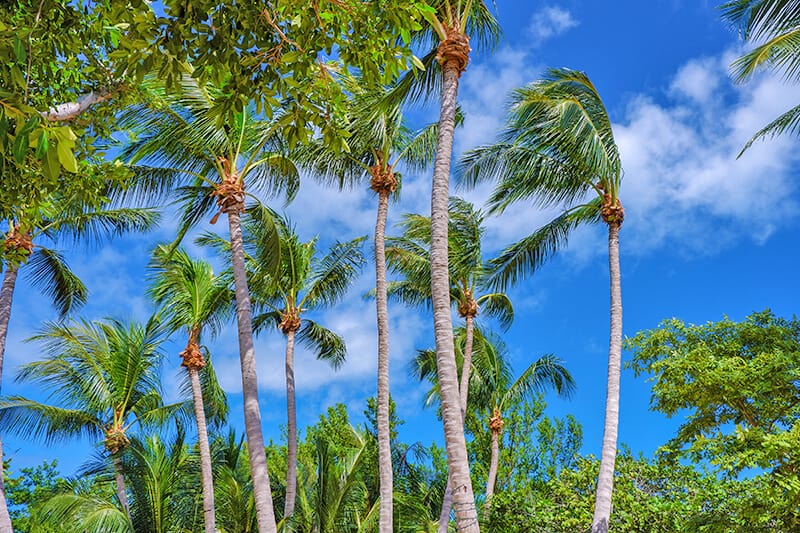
(549, 22)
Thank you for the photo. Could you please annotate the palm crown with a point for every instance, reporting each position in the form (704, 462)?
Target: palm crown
(104, 378)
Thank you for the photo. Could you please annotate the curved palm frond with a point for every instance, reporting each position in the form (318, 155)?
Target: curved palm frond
(498, 306)
(787, 122)
(334, 273)
(328, 346)
(524, 257)
(47, 271)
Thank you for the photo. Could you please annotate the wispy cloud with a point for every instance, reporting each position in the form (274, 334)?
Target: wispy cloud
(550, 22)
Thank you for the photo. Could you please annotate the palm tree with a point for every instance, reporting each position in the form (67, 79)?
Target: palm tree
(234, 486)
(161, 479)
(492, 384)
(556, 149)
(305, 282)
(379, 141)
(103, 378)
(408, 256)
(193, 298)
(333, 498)
(183, 146)
(496, 389)
(62, 219)
(775, 26)
(452, 22)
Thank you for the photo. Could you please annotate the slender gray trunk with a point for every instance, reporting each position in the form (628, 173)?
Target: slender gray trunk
(6, 297)
(466, 368)
(447, 506)
(291, 422)
(492, 479)
(458, 465)
(605, 480)
(384, 430)
(122, 494)
(205, 452)
(252, 415)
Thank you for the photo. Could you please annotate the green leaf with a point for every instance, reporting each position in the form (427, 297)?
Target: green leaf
(67, 158)
(19, 50)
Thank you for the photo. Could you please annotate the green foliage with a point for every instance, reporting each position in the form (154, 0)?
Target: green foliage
(649, 496)
(34, 486)
(735, 383)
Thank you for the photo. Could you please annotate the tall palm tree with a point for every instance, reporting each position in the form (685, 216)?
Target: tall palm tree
(193, 298)
(496, 389)
(408, 256)
(379, 141)
(59, 221)
(557, 148)
(453, 22)
(774, 25)
(103, 378)
(305, 282)
(182, 146)
(493, 385)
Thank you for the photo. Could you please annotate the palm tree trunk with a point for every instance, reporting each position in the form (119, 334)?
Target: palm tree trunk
(492, 479)
(466, 367)
(252, 415)
(447, 506)
(6, 297)
(458, 465)
(205, 452)
(605, 480)
(384, 430)
(122, 494)
(291, 421)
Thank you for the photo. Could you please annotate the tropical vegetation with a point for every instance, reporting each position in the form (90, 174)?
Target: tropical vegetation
(124, 117)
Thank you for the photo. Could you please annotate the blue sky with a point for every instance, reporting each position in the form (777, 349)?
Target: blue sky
(705, 235)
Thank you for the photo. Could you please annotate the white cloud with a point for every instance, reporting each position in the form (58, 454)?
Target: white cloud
(550, 22)
(684, 184)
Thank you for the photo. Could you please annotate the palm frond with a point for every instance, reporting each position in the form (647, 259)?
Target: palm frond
(46, 422)
(787, 122)
(524, 257)
(334, 273)
(497, 305)
(47, 271)
(327, 345)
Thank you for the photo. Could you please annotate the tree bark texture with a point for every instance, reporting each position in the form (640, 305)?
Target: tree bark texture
(252, 415)
(458, 465)
(6, 298)
(605, 480)
(466, 368)
(122, 494)
(384, 429)
(207, 478)
(491, 480)
(291, 424)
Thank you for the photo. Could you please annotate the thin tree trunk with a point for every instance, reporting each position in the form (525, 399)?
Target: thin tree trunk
(605, 480)
(6, 297)
(252, 415)
(205, 452)
(291, 421)
(466, 367)
(492, 479)
(122, 494)
(447, 506)
(384, 430)
(458, 465)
